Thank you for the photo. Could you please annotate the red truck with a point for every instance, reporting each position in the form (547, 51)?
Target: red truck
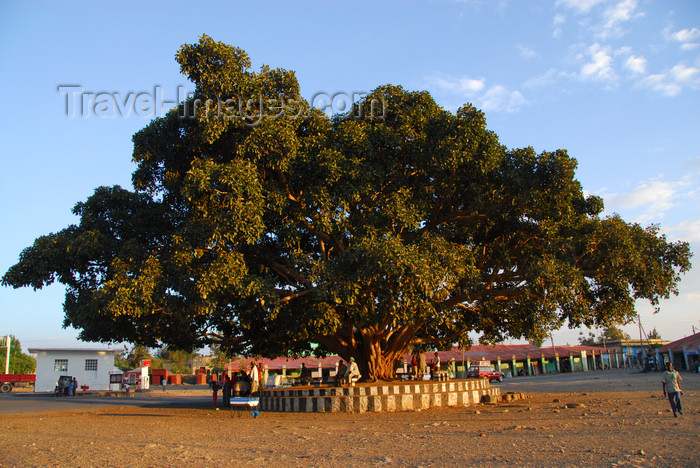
(7, 381)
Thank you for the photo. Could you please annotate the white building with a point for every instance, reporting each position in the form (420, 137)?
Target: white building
(90, 367)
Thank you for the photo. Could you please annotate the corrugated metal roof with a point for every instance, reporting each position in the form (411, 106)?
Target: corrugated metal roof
(691, 342)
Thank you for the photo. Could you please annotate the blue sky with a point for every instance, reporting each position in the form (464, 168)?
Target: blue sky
(615, 82)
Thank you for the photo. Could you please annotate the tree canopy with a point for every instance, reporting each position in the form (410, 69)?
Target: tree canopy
(20, 363)
(175, 360)
(610, 333)
(263, 225)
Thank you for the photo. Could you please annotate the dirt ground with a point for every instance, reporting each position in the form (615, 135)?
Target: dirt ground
(612, 418)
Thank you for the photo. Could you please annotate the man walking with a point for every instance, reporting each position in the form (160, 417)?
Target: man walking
(671, 382)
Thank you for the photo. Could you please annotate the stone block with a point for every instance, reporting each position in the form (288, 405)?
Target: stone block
(374, 404)
(390, 404)
(406, 402)
(452, 399)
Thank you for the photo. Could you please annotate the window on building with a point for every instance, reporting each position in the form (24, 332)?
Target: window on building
(91, 364)
(60, 365)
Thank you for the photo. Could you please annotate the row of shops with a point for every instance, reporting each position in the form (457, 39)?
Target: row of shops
(513, 360)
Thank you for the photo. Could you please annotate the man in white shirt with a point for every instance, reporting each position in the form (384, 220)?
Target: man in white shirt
(254, 379)
(671, 383)
(353, 372)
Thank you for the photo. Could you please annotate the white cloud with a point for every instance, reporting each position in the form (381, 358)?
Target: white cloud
(662, 84)
(546, 79)
(687, 230)
(600, 65)
(611, 19)
(690, 46)
(689, 39)
(671, 83)
(614, 16)
(581, 6)
(671, 202)
(558, 21)
(684, 74)
(491, 98)
(656, 196)
(526, 52)
(500, 98)
(687, 35)
(636, 65)
(464, 85)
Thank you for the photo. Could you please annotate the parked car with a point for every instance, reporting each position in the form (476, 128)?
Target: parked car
(479, 372)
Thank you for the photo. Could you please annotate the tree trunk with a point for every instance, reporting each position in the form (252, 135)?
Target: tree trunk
(377, 353)
(379, 366)
(376, 362)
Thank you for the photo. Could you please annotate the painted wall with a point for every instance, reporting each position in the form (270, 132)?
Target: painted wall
(47, 374)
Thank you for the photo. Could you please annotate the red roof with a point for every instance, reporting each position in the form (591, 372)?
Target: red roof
(690, 342)
(290, 363)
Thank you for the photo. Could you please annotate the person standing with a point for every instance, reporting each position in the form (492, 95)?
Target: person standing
(340, 373)
(254, 379)
(226, 392)
(214, 392)
(671, 383)
(437, 367)
(304, 375)
(75, 386)
(414, 366)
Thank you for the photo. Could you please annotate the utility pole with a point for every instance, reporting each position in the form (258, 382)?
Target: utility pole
(7, 358)
(556, 358)
(641, 346)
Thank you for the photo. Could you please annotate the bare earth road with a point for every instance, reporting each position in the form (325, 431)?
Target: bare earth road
(613, 418)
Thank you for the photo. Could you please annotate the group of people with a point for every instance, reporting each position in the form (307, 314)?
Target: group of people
(347, 374)
(420, 366)
(247, 383)
(240, 383)
(66, 387)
